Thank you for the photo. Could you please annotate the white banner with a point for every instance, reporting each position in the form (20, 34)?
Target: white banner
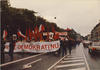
(36, 47)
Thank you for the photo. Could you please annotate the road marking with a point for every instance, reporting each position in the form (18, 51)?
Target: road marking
(72, 61)
(55, 63)
(88, 68)
(20, 60)
(73, 58)
(82, 68)
(62, 66)
(28, 65)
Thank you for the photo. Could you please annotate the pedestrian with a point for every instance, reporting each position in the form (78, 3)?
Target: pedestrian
(2, 50)
(12, 46)
(78, 42)
(70, 44)
(63, 47)
(59, 51)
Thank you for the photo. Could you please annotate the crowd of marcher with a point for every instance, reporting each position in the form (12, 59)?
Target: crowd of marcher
(66, 44)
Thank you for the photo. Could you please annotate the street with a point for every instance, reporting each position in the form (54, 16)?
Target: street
(46, 61)
(93, 61)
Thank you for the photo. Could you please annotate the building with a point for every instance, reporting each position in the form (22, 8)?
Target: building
(95, 33)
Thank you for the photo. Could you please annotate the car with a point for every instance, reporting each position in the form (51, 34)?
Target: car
(94, 48)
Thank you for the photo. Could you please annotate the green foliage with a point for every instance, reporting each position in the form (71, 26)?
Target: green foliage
(13, 19)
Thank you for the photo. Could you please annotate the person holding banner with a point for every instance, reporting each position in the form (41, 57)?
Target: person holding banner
(12, 46)
(59, 50)
(2, 50)
(3, 41)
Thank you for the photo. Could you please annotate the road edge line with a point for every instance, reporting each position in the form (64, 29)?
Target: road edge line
(20, 60)
(87, 65)
(34, 61)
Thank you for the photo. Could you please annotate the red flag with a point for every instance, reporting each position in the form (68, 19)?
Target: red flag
(30, 34)
(26, 35)
(41, 37)
(56, 36)
(33, 34)
(47, 35)
(41, 28)
(20, 34)
(53, 29)
(36, 32)
(4, 34)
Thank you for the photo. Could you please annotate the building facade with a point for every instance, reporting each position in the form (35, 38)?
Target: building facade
(95, 33)
(88, 37)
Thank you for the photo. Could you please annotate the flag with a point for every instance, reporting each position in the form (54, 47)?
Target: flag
(47, 35)
(33, 32)
(56, 36)
(19, 33)
(34, 35)
(36, 31)
(26, 35)
(53, 29)
(40, 36)
(4, 34)
(41, 28)
(30, 34)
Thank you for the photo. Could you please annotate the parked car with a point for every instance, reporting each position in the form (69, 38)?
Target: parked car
(95, 47)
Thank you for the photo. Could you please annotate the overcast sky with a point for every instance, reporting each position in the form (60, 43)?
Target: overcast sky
(81, 15)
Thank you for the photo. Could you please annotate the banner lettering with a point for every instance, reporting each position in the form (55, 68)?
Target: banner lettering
(36, 47)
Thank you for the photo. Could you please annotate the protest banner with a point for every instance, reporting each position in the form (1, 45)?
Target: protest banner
(35, 47)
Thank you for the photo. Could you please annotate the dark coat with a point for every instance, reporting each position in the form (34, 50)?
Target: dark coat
(70, 44)
(12, 46)
(63, 44)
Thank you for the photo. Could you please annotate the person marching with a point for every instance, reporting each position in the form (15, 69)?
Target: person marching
(70, 44)
(12, 46)
(63, 47)
(3, 41)
(2, 50)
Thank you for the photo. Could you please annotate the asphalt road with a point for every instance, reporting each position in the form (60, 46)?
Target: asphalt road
(46, 60)
(93, 61)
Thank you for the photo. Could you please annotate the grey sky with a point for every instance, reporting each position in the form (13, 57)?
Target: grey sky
(81, 15)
